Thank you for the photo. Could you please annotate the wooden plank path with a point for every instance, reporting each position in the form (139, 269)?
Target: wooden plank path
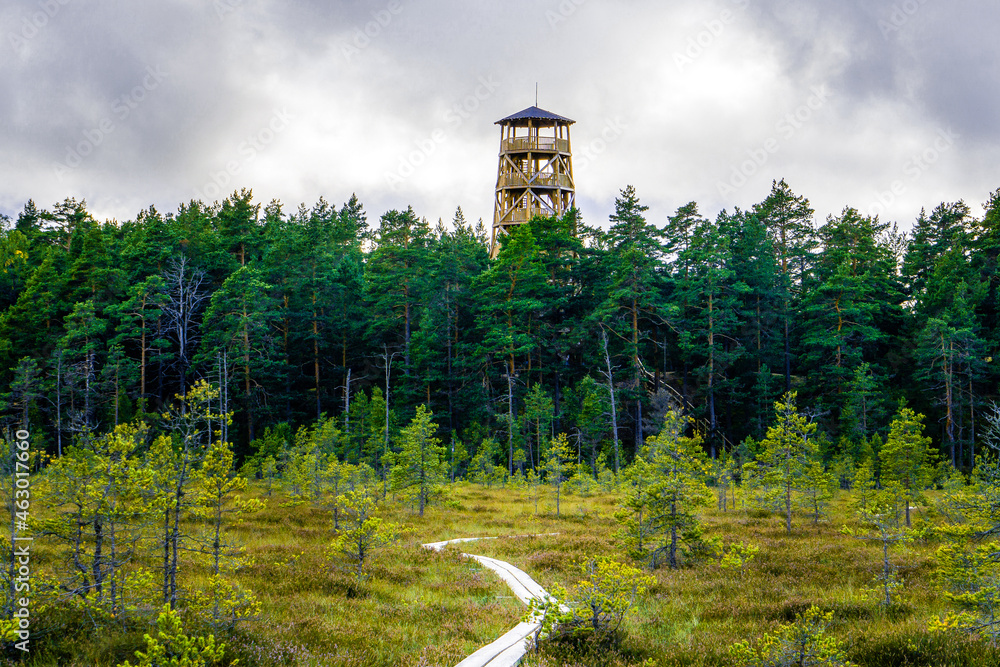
(508, 650)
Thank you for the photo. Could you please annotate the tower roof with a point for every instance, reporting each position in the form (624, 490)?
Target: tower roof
(533, 113)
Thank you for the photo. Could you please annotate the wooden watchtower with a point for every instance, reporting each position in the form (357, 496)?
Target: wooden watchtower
(536, 170)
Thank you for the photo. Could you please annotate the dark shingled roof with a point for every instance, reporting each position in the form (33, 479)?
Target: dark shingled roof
(534, 113)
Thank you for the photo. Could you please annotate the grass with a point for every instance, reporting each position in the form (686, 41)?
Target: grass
(425, 608)
(692, 615)
(417, 607)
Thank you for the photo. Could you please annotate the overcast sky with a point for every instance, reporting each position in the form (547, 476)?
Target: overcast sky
(885, 105)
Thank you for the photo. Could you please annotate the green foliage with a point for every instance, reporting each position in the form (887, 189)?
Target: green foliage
(174, 461)
(420, 463)
(483, 469)
(738, 555)
(557, 464)
(363, 533)
(100, 494)
(817, 490)
(788, 454)
(803, 643)
(596, 605)
(970, 575)
(882, 526)
(906, 459)
(864, 485)
(666, 485)
(217, 483)
(968, 569)
(172, 648)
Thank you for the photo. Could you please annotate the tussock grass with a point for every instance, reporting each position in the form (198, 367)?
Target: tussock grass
(424, 608)
(416, 607)
(692, 615)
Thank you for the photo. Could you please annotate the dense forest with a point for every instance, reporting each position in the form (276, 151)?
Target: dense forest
(318, 314)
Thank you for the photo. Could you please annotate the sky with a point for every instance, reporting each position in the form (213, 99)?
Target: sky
(888, 106)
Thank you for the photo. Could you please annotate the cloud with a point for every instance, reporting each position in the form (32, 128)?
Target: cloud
(372, 89)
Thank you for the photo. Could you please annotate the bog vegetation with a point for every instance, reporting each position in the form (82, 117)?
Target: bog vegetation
(757, 437)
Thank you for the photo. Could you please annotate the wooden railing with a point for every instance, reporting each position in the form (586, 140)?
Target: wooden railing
(523, 214)
(535, 143)
(540, 180)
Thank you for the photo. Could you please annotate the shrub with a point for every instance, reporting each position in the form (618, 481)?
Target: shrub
(802, 643)
(172, 648)
(596, 607)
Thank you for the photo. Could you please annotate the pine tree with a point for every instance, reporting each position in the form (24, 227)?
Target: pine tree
(217, 485)
(851, 289)
(510, 292)
(882, 527)
(238, 223)
(634, 254)
(753, 260)
(538, 416)
(81, 347)
(25, 390)
(557, 464)
(100, 491)
(444, 350)
(817, 490)
(802, 643)
(708, 291)
(968, 569)
(905, 458)
(674, 469)
(172, 647)
(238, 321)
(175, 458)
(788, 452)
(420, 464)
(363, 532)
(137, 316)
(788, 219)
(394, 273)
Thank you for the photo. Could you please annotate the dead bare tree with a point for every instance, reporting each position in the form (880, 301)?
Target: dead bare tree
(186, 294)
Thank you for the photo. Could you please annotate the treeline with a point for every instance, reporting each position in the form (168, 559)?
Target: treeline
(315, 313)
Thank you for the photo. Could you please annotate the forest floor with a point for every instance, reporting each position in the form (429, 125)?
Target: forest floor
(423, 608)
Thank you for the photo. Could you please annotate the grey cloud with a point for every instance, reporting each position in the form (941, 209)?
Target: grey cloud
(230, 63)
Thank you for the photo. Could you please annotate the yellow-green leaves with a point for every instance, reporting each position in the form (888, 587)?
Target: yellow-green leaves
(905, 457)
(737, 555)
(970, 575)
(803, 643)
(598, 603)
(663, 488)
(362, 533)
(882, 525)
(172, 648)
(788, 452)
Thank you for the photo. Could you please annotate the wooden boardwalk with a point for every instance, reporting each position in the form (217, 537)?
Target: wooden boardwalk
(508, 650)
